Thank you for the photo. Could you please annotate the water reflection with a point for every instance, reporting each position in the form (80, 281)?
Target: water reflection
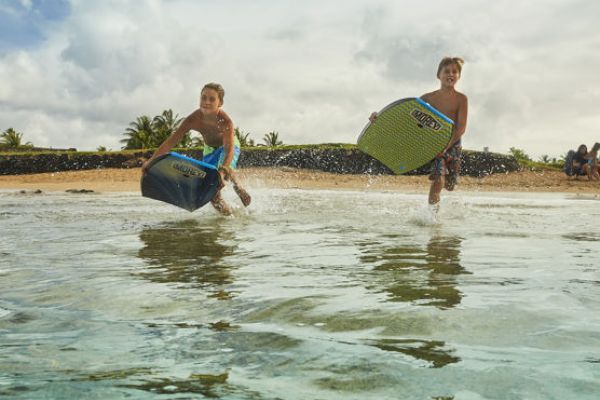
(413, 273)
(190, 253)
(433, 352)
(206, 385)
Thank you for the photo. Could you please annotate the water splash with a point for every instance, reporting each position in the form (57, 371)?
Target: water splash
(425, 215)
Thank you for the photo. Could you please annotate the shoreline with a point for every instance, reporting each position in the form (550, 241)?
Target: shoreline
(128, 180)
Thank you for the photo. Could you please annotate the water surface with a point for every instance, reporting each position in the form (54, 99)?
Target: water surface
(307, 295)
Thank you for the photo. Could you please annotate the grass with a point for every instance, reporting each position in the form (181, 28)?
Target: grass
(538, 165)
(322, 146)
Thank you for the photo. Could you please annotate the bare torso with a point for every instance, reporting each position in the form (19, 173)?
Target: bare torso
(212, 128)
(446, 102)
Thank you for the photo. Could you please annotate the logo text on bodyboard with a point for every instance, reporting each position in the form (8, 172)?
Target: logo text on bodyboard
(425, 119)
(186, 169)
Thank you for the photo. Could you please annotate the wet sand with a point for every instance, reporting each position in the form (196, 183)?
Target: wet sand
(128, 180)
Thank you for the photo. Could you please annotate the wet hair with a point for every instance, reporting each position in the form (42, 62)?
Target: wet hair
(217, 88)
(582, 146)
(449, 61)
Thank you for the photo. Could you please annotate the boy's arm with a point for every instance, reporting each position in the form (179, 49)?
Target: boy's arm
(460, 125)
(227, 138)
(228, 143)
(175, 138)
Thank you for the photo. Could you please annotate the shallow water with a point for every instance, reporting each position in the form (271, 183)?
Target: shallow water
(307, 295)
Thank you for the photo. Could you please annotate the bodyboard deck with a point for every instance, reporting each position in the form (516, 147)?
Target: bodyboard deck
(406, 135)
(182, 181)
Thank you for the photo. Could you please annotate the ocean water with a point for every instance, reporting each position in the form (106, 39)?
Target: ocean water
(308, 294)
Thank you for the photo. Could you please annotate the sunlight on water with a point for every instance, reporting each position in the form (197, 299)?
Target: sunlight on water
(305, 295)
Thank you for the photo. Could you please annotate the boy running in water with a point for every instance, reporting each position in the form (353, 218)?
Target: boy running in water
(221, 148)
(453, 104)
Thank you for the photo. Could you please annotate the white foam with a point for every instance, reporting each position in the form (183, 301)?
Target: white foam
(4, 312)
(425, 215)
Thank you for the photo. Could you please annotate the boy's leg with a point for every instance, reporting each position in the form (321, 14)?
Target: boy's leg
(452, 167)
(450, 181)
(219, 156)
(239, 190)
(437, 180)
(220, 205)
(216, 157)
(437, 183)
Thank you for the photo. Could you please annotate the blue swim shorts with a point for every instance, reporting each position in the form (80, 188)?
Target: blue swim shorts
(216, 155)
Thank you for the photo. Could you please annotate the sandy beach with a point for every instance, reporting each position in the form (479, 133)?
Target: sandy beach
(127, 180)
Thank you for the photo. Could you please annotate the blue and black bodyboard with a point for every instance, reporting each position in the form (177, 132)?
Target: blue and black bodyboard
(182, 181)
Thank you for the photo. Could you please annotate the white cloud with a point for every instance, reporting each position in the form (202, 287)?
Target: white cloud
(313, 70)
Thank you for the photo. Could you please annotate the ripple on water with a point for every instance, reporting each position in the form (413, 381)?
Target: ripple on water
(4, 312)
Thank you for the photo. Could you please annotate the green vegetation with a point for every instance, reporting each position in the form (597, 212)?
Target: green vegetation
(519, 154)
(322, 146)
(102, 150)
(243, 137)
(146, 133)
(11, 139)
(271, 139)
(545, 162)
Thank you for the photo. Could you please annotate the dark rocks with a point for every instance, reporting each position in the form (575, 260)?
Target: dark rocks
(37, 191)
(342, 159)
(79, 191)
(19, 164)
(353, 161)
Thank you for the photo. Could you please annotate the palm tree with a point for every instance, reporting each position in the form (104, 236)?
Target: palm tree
(271, 139)
(101, 148)
(139, 134)
(519, 154)
(145, 133)
(545, 159)
(12, 138)
(243, 137)
(164, 125)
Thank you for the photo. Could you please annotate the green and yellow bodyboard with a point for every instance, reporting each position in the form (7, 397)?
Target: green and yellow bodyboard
(406, 135)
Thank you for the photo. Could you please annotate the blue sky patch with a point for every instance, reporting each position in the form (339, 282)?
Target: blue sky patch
(23, 24)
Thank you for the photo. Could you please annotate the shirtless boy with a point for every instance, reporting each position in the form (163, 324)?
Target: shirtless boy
(453, 104)
(221, 148)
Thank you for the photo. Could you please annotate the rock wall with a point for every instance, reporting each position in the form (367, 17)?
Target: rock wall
(354, 161)
(344, 160)
(18, 164)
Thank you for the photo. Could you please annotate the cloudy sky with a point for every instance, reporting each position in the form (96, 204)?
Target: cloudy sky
(76, 73)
